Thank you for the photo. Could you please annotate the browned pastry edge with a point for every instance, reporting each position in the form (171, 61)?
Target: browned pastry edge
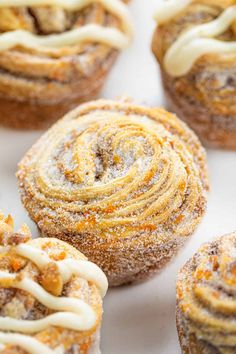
(188, 341)
(214, 132)
(185, 339)
(26, 115)
(154, 264)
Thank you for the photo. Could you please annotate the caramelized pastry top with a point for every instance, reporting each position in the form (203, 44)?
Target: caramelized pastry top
(43, 24)
(215, 35)
(50, 295)
(206, 294)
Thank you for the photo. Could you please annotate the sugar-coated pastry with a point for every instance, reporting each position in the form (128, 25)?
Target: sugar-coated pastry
(125, 184)
(195, 44)
(50, 295)
(55, 54)
(206, 299)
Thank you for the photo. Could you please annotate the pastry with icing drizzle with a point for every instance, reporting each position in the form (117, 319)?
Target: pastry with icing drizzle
(206, 304)
(55, 54)
(123, 183)
(50, 295)
(195, 44)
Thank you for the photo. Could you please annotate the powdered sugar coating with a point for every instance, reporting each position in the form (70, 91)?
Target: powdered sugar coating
(123, 183)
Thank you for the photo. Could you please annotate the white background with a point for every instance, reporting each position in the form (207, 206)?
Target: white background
(138, 319)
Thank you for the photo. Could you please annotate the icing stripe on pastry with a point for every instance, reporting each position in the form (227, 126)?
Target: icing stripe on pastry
(62, 319)
(116, 7)
(85, 314)
(91, 32)
(169, 9)
(198, 41)
(68, 267)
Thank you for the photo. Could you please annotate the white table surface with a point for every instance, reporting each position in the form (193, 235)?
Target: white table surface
(138, 319)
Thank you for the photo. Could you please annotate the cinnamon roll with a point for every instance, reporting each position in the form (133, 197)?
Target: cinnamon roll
(56, 54)
(50, 295)
(206, 299)
(125, 184)
(195, 44)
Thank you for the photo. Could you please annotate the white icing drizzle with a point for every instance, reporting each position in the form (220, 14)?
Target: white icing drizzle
(198, 41)
(63, 319)
(67, 267)
(86, 317)
(169, 9)
(73, 313)
(91, 32)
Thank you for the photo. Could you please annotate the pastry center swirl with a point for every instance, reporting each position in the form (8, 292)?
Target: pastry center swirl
(115, 176)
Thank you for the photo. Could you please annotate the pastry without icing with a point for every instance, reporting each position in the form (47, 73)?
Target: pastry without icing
(206, 299)
(50, 295)
(195, 44)
(125, 184)
(56, 54)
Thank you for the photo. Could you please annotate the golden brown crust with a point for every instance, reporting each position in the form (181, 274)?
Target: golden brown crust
(21, 305)
(206, 299)
(37, 87)
(205, 96)
(35, 115)
(126, 184)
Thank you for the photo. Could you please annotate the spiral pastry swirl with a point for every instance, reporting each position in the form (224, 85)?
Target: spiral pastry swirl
(124, 183)
(206, 304)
